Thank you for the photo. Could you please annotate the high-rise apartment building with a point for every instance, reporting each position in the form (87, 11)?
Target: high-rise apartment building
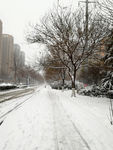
(16, 56)
(7, 56)
(0, 45)
(22, 58)
(19, 56)
(11, 57)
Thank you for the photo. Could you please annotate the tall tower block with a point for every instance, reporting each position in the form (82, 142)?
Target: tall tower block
(0, 45)
(7, 56)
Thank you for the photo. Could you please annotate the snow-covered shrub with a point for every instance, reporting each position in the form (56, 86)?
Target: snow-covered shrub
(92, 91)
(107, 82)
(110, 94)
(7, 86)
(56, 85)
(67, 85)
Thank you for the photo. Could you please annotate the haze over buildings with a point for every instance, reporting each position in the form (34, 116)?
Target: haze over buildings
(19, 56)
(9, 53)
(22, 12)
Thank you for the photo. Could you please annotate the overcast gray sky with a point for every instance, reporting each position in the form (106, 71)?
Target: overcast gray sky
(16, 14)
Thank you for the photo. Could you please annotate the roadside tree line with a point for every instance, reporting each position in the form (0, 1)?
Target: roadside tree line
(27, 75)
(63, 32)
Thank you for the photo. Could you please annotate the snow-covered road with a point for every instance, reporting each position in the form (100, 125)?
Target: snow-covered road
(52, 120)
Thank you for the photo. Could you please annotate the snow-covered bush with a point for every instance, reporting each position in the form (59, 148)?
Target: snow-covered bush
(107, 82)
(93, 90)
(67, 85)
(7, 86)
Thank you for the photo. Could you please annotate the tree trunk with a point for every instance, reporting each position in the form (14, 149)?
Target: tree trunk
(63, 79)
(73, 84)
(15, 76)
(63, 82)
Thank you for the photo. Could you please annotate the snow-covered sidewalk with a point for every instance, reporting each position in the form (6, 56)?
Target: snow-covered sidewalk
(52, 120)
(91, 116)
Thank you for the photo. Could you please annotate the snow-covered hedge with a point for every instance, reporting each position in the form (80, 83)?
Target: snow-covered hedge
(110, 94)
(67, 85)
(93, 91)
(7, 86)
(58, 85)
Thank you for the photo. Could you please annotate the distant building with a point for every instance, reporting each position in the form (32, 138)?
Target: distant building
(19, 63)
(7, 57)
(19, 56)
(0, 45)
(16, 55)
(22, 58)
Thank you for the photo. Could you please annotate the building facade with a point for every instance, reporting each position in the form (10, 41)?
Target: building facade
(12, 59)
(19, 56)
(7, 57)
(16, 55)
(0, 45)
(22, 58)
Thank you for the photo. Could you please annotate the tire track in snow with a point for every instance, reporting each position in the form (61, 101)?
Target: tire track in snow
(15, 94)
(2, 117)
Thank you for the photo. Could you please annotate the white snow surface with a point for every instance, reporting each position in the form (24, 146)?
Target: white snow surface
(52, 120)
(6, 84)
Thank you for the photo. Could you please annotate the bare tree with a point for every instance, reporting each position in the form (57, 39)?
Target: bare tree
(63, 32)
(107, 9)
(29, 76)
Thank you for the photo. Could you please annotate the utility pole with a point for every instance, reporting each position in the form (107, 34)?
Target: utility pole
(87, 19)
(87, 16)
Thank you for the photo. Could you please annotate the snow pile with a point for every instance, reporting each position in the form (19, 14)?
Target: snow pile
(7, 86)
